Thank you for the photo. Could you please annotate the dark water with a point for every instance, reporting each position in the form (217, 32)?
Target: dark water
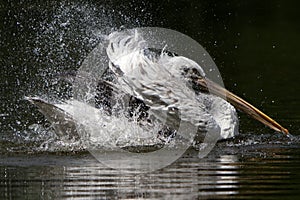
(255, 45)
(254, 171)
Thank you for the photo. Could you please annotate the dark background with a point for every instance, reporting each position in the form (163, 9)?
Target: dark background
(254, 44)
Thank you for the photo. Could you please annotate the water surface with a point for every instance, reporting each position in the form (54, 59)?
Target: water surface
(246, 171)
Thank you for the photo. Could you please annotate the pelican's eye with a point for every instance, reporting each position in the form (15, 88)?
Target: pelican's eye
(196, 72)
(190, 72)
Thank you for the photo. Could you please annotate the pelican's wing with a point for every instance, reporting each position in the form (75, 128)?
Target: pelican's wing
(123, 43)
(67, 119)
(62, 122)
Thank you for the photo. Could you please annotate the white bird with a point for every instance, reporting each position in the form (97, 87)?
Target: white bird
(165, 83)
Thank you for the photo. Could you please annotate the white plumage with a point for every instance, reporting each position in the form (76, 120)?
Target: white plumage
(158, 80)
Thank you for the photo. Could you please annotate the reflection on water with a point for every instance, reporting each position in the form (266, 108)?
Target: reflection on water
(226, 172)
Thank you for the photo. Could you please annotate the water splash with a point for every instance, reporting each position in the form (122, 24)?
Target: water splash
(55, 39)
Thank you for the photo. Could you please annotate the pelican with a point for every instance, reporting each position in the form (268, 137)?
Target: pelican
(162, 81)
(167, 81)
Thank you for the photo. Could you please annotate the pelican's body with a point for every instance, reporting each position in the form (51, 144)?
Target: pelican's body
(158, 80)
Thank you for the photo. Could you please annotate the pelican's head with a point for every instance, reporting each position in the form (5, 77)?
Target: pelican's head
(195, 75)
